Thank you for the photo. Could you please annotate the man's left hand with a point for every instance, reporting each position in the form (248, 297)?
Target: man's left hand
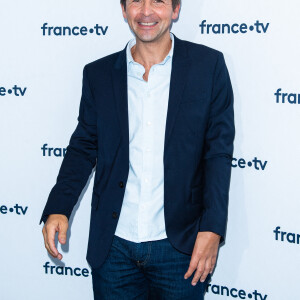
(204, 256)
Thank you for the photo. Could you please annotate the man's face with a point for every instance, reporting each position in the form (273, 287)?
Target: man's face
(150, 19)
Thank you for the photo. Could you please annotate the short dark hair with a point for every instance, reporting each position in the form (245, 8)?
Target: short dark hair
(174, 3)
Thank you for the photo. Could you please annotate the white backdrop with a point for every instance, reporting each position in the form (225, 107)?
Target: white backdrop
(40, 89)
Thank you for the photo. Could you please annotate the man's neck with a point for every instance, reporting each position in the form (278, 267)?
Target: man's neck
(151, 53)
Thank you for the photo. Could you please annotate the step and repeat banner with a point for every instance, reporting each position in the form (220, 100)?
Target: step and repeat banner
(44, 47)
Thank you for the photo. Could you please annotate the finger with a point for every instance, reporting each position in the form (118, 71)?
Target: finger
(206, 270)
(62, 232)
(49, 250)
(50, 241)
(198, 273)
(213, 263)
(48, 247)
(45, 241)
(192, 266)
(55, 255)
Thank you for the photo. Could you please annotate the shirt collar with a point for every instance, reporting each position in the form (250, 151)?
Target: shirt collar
(132, 42)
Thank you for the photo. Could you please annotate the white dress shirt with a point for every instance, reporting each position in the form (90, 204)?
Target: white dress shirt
(142, 213)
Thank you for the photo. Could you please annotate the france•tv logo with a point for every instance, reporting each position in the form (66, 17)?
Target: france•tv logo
(256, 163)
(50, 151)
(16, 209)
(15, 91)
(257, 27)
(222, 290)
(73, 31)
(291, 98)
(66, 271)
(284, 236)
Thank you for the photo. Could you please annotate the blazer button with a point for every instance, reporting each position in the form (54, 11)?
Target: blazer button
(114, 215)
(121, 184)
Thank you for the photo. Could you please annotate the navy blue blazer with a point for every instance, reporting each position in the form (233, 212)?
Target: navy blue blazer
(198, 148)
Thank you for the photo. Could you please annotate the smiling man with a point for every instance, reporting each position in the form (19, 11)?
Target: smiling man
(157, 121)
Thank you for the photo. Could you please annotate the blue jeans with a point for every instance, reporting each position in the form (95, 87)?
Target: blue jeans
(148, 270)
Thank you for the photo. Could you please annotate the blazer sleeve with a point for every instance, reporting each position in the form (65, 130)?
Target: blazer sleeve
(79, 160)
(218, 150)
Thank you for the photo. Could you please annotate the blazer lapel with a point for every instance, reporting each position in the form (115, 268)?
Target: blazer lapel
(119, 80)
(179, 71)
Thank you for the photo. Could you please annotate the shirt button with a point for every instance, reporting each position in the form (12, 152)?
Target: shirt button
(149, 123)
(121, 184)
(146, 180)
(148, 94)
(148, 150)
(114, 215)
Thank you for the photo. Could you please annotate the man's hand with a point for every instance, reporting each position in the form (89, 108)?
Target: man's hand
(204, 256)
(54, 223)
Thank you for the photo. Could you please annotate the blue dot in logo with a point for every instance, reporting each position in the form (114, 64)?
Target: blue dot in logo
(11, 209)
(250, 296)
(91, 30)
(9, 91)
(249, 163)
(251, 28)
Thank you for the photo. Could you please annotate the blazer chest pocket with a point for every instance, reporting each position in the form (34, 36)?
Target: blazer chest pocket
(197, 195)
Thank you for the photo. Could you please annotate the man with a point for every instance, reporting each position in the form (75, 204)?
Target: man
(157, 121)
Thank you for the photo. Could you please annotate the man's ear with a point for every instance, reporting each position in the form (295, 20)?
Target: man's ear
(175, 13)
(123, 11)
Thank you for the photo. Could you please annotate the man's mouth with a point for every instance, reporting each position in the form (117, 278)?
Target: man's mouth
(147, 23)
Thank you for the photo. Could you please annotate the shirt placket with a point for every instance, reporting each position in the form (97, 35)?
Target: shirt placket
(147, 150)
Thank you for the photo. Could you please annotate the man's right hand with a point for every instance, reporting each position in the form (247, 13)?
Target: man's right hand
(54, 223)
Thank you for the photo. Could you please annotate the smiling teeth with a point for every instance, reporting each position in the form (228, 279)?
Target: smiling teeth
(148, 24)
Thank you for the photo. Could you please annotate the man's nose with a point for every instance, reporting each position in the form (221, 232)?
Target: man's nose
(146, 8)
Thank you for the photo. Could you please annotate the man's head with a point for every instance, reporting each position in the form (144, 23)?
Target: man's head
(175, 3)
(150, 20)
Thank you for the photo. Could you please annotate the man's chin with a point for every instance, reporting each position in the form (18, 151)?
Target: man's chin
(147, 38)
